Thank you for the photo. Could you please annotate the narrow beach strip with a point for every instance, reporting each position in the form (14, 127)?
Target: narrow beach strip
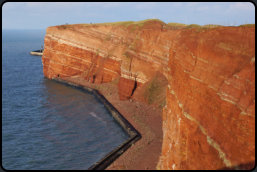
(134, 135)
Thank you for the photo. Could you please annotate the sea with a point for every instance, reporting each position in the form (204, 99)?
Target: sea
(47, 125)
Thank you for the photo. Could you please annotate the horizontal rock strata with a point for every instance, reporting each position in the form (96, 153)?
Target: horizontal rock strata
(206, 77)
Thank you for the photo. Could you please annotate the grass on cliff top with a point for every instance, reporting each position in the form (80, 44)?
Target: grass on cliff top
(211, 25)
(130, 23)
(66, 26)
(138, 24)
(142, 22)
(181, 25)
(191, 26)
(247, 25)
(122, 23)
(176, 25)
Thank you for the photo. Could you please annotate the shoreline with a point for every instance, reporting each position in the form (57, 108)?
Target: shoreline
(134, 135)
(147, 119)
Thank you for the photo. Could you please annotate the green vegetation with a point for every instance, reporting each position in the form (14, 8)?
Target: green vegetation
(62, 26)
(176, 25)
(66, 26)
(127, 23)
(123, 23)
(139, 24)
(193, 26)
(211, 26)
(200, 28)
(247, 25)
(142, 22)
(134, 25)
(152, 90)
(155, 91)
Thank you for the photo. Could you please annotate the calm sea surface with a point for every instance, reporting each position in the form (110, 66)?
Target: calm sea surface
(46, 125)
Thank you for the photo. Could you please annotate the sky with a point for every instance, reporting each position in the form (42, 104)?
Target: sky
(40, 15)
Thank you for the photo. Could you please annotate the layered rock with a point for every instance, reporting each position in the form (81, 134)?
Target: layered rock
(209, 120)
(103, 53)
(205, 75)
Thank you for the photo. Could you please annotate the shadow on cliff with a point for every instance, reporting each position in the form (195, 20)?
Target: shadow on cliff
(153, 91)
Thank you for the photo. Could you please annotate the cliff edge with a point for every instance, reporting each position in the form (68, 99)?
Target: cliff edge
(201, 77)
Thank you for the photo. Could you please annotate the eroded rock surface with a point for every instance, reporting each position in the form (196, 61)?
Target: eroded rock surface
(206, 76)
(209, 120)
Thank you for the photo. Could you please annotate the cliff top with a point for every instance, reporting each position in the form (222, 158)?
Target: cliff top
(149, 23)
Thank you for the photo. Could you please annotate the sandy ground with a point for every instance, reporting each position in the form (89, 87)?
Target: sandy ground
(144, 154)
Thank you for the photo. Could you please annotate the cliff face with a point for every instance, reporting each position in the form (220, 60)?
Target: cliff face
(209, 120)
(103, 53)
(206, 76)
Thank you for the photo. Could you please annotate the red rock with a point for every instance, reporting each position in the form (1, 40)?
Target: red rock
(222, 128)
(207, 77)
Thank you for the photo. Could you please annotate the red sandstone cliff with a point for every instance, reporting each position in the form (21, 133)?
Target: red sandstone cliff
(206, 76)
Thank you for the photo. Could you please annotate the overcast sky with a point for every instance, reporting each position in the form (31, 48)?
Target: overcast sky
(40, 15)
